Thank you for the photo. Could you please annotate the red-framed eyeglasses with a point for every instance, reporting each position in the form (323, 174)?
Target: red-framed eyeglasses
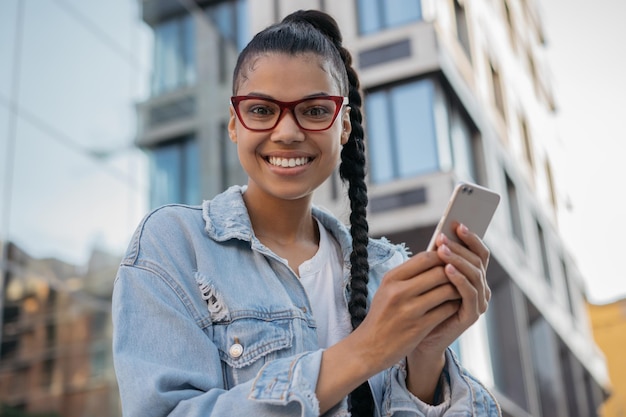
(261, 114)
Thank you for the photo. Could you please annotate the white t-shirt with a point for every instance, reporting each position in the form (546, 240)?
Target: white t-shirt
(322, 278)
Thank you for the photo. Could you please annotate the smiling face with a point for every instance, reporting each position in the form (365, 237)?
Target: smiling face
(287, 162)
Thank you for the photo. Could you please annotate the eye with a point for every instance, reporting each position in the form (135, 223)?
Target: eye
(260, 109)
(316, 109)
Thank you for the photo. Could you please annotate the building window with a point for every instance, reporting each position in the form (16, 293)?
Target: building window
(498, 95)
(376, 15)
(401, 131)
(546, 362)
(51, 334)
(230, 19)
(532, 69)
(10, 348)
(571, 304)
(174, 55)
(47, 373)
(514, 211)
(527, 144)
(465, 143)
(462, 31)
(99, 360)
(174, 173)
(545, 259)
(550, 182)
(507, 342)
(510, 24)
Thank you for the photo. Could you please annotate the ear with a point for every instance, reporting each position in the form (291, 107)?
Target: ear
(232, 122)
(346, 126)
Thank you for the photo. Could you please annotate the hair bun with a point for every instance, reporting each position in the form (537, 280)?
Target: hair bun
(321, 21)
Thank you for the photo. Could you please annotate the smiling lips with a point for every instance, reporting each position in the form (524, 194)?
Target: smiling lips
(288, 162)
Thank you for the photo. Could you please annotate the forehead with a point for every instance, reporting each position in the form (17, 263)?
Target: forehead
(287, 76)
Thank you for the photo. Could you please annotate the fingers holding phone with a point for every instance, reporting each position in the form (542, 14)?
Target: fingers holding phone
(458, 243)
(466, 270)
(461, 229)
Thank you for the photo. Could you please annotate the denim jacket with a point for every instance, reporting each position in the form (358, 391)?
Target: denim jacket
(210, 322)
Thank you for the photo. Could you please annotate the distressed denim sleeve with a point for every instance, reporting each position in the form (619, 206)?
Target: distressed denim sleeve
(167, 366)
(462, 394)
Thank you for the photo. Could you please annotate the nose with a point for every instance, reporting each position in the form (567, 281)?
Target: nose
(287, 129)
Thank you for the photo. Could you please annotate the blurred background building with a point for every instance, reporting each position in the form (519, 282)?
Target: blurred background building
(454, 90)
(609, 328)
(56, 337)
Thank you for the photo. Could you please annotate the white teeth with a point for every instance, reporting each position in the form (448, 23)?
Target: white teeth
(287, 162)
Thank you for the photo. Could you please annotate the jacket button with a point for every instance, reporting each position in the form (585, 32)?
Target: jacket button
(235, 351)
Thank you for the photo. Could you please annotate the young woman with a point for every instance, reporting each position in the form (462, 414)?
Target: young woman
(258, 303)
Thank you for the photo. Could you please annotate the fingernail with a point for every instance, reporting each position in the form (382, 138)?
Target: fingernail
(445, 249)
(464, 229)
(443, 239)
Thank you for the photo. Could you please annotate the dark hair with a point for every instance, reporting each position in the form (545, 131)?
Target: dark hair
(312, 31)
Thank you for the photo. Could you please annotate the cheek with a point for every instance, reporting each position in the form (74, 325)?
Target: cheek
(247, 144)
(334, 147)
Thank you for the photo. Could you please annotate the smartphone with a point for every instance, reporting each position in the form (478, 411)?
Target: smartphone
(470, 204)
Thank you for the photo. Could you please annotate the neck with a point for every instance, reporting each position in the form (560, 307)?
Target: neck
(282, 221)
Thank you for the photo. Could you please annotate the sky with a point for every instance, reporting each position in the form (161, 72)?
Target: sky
(83, 64)
(588, 59)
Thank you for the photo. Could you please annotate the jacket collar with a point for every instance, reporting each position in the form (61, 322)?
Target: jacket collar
(226, 217)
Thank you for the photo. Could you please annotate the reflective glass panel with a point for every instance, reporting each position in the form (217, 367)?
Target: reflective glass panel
(191, 165)
(174, 55)
(398, 12)
(188, 52)
(401, 131)
(175, 173)
(165, 175)
(414, 128)
(379, 137)
(376, 15)
(165, 73)
(461, 137)
(369, 16)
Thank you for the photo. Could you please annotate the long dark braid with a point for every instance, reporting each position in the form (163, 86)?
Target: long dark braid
(352, 170)
(317, 32)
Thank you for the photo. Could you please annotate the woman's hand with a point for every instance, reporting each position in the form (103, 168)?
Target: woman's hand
(420, 307)
(465, 267)
(413, 300)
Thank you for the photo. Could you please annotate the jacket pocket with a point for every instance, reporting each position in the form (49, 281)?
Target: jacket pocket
(246, 344)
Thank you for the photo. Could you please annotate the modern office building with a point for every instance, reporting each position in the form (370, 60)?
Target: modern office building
(454, 90)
